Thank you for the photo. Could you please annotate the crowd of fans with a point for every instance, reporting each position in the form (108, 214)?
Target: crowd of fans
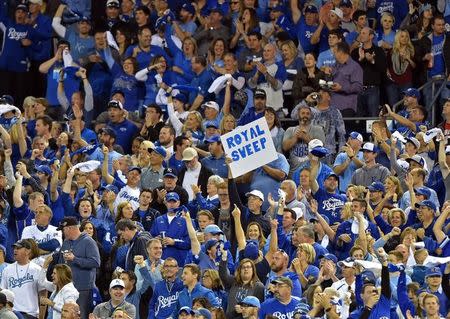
(117, 199)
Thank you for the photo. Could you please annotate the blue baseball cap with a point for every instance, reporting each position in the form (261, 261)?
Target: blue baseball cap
(44, 169)
(205, 313)
(424, 191)
(170, 172)
(210, 243)
(214, 124)
(172, 196)
(413, 92)
(331, 257)
(426, 203)
(311, 9)
(161, 151)
(111, 188)
(356, 136)
(135, 168)
(312, 220)
(278, 7)
(251, 250)
(212, 139)
(433, 272)
(212, 229)
(181, 97)
(188, 7)
(251, 301)
(332, 174)
(216, 9)
(186, 309)
(346, 3)
(376, 187)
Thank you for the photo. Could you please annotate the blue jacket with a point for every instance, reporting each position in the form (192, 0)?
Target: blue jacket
(15, 57)
(345, 228)
(86, 262)
(176, 230)
(186, 298)
(164, 299)
(41, 47)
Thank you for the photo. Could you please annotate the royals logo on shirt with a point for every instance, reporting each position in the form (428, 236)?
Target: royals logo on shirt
(332, 205)
(19, 282)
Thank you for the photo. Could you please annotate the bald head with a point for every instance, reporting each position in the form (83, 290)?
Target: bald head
(70, 310)
(269, 52)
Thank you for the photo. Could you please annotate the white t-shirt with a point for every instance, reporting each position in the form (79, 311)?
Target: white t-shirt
(191, 178)
(128, 194)
(23, 281)
(41, 237)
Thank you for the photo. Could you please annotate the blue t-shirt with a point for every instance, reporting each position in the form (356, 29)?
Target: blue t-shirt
(79, 47)
(326, 58)
(304, 35)
(13, 56)
(437, 46)
(71, 83)
(202, 81)
(144, 58)
(346, 176)
(330, 204)
(382, 310)
(125, 131)
(273, 307)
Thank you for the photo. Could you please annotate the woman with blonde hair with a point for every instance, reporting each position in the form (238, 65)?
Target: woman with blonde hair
(145, 148)
(227, 124)
(393, 186)
(211, 280)
(61, 288)
(303, 265)
(400, 66)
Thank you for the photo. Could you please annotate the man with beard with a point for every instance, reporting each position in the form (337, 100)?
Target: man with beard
(284, 304)
(107, 137)
(186, 26)
(279, 268)
(258, 109)
(166, 138)
(124, 128)
(296, 138)
(329, 201)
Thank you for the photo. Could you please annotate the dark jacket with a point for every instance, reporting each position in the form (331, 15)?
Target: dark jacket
(184, 198)
(304, 85)
(138, 246)
(147, 220)
(205, 173)
(422, 47)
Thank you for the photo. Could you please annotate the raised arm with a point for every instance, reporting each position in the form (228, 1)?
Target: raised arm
(295, 11)
(240, 235)
(17, 193)
(442, 157)
(439, 224)
(56, 22)
(326, 227)
(402, 120)
(54, 182)
(227, 99)
(195, 244)
(314, 172)
(105, 174)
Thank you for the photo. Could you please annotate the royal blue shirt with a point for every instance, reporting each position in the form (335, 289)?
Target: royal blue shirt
(125, 131)
(330, 204)
(15, 57)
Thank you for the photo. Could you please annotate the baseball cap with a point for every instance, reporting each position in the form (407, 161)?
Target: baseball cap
(116, 104)
(256, 193)
(212, 105)
(3, 299)
(68, 221)
(185, 309)
(169, 172)
(22, 7)
(260, 93)
(331, 257)
(311, 9)
(312, 220)
(414, 141)
(348, 262)
(44, 169)
(113, 4)
(210, 243)
(282, 280)
(251, 301)
(161, 151)
(212, 229)
(22, 244)
(424, 191)
(413, 92)
(370, 147)
(251, 250)
(211, 124)
(181, 97)
(212, 139)
(216, 9)
(356, 136)
(188, 7)
(109, 131)
(9, 295)
(189, 153)
(116, 283)
(314, 143)
(433, 272)
(134, 168)
(418, 159)
(172, 196)
(332, 174)
(376, 187)
(346, 3)
(315, 147)
(110, 188)
(278, 8)
(35, 1)
(85, 19)
(338, 12)
(426, 203)
(424, 7)
(205, 313)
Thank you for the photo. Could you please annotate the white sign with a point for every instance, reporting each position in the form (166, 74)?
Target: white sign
(249, 146)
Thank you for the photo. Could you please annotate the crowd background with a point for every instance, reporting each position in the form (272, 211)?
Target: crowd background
(116, 197)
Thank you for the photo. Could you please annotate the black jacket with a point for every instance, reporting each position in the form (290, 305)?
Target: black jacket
(202, 181)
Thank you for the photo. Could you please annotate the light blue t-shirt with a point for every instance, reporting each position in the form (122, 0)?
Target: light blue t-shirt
(346, 176)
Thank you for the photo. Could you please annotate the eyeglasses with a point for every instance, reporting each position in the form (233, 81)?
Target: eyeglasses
(246, 267)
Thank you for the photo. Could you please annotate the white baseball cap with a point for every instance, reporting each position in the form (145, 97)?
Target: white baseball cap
(314, 143)
(256, 193)
(116, 283)
(338, 12)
